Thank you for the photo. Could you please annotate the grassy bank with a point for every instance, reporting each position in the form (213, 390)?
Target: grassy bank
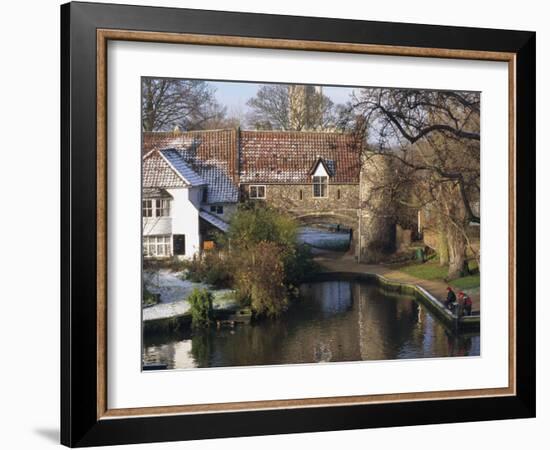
(431, 270)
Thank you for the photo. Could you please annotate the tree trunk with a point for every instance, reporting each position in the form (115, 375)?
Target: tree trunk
(457, 254)
(442, 244)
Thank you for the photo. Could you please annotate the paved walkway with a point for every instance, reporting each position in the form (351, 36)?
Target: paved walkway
(335, 262)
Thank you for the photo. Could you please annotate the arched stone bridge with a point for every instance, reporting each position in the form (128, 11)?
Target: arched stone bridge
(350, 221)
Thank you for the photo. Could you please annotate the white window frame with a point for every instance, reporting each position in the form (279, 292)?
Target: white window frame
(157, 246)
(321, 184)
(256, 186)
(147, 205)
(156, 211)
(164, 209)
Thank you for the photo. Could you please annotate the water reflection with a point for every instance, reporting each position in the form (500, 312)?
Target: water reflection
(334, 321)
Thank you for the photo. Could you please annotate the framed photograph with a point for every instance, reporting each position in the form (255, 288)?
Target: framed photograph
(277, 224)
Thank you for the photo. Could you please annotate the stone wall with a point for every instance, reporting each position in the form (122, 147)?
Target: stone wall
(298, 199)
(376, 217)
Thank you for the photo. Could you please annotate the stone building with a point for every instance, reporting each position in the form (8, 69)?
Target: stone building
(317, 177)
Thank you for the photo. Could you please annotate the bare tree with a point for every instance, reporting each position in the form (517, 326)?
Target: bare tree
(432, 140)
(269, 108)
(291, 107)
(186, 104)
(233, 118)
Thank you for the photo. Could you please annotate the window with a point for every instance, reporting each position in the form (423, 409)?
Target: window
(162, 208)
(338, 196)
(204, 195)
(257, 191)
(156, 246)
(218, 209)
(147, 208)
(320, 187)
(301, 194)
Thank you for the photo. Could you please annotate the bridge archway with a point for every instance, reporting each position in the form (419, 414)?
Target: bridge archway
(345, 221)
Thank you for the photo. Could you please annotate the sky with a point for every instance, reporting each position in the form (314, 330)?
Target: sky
(235, 94)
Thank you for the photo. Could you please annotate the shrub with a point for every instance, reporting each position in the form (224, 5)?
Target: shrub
(251, 225)
(213, 269)
(201, 307)
(260, 279)
(299, 264)
(265, 258)
(148, 299)
(259, 257)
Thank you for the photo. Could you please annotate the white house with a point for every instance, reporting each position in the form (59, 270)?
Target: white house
(178, 192)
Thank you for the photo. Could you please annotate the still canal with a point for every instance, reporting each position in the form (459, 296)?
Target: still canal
(333, 321)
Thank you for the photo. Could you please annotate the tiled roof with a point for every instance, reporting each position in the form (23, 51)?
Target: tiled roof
(287, 157)
(157, 173)
(212, 155)
(178, 163)
(213, 220)
(224, 158)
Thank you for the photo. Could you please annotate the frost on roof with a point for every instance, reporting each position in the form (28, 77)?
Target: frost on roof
(211, 155)
(287, 157)
(225, 158)
(157, 173)
(213, 220)
(175, 159)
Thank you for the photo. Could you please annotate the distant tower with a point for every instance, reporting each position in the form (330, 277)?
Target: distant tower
(305, 107)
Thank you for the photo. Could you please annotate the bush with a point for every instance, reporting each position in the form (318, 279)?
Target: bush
(201, 307)
(267, 262)
(148, 299)
(299, 264)
(251, 225)
(259, 257)
(212, 269)
(260, 279)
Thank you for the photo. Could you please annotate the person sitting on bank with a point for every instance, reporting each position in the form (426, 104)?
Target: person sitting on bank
(451, 298)
(467, 305)
(463, 301)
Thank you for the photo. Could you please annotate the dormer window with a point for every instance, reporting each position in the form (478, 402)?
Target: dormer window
(319, 176)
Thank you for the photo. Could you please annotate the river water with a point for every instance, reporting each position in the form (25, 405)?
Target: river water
(333, 321)
(328, 239)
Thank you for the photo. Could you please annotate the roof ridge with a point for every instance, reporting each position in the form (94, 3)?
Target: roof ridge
(303, 132)
(179, 133)
(335, 133)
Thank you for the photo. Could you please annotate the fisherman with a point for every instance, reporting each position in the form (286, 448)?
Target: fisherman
(451, 298)
(463, 301)
(467, 305)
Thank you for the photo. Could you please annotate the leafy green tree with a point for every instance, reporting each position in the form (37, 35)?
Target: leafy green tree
(268, 263)
(252, 224)
(260, 279)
